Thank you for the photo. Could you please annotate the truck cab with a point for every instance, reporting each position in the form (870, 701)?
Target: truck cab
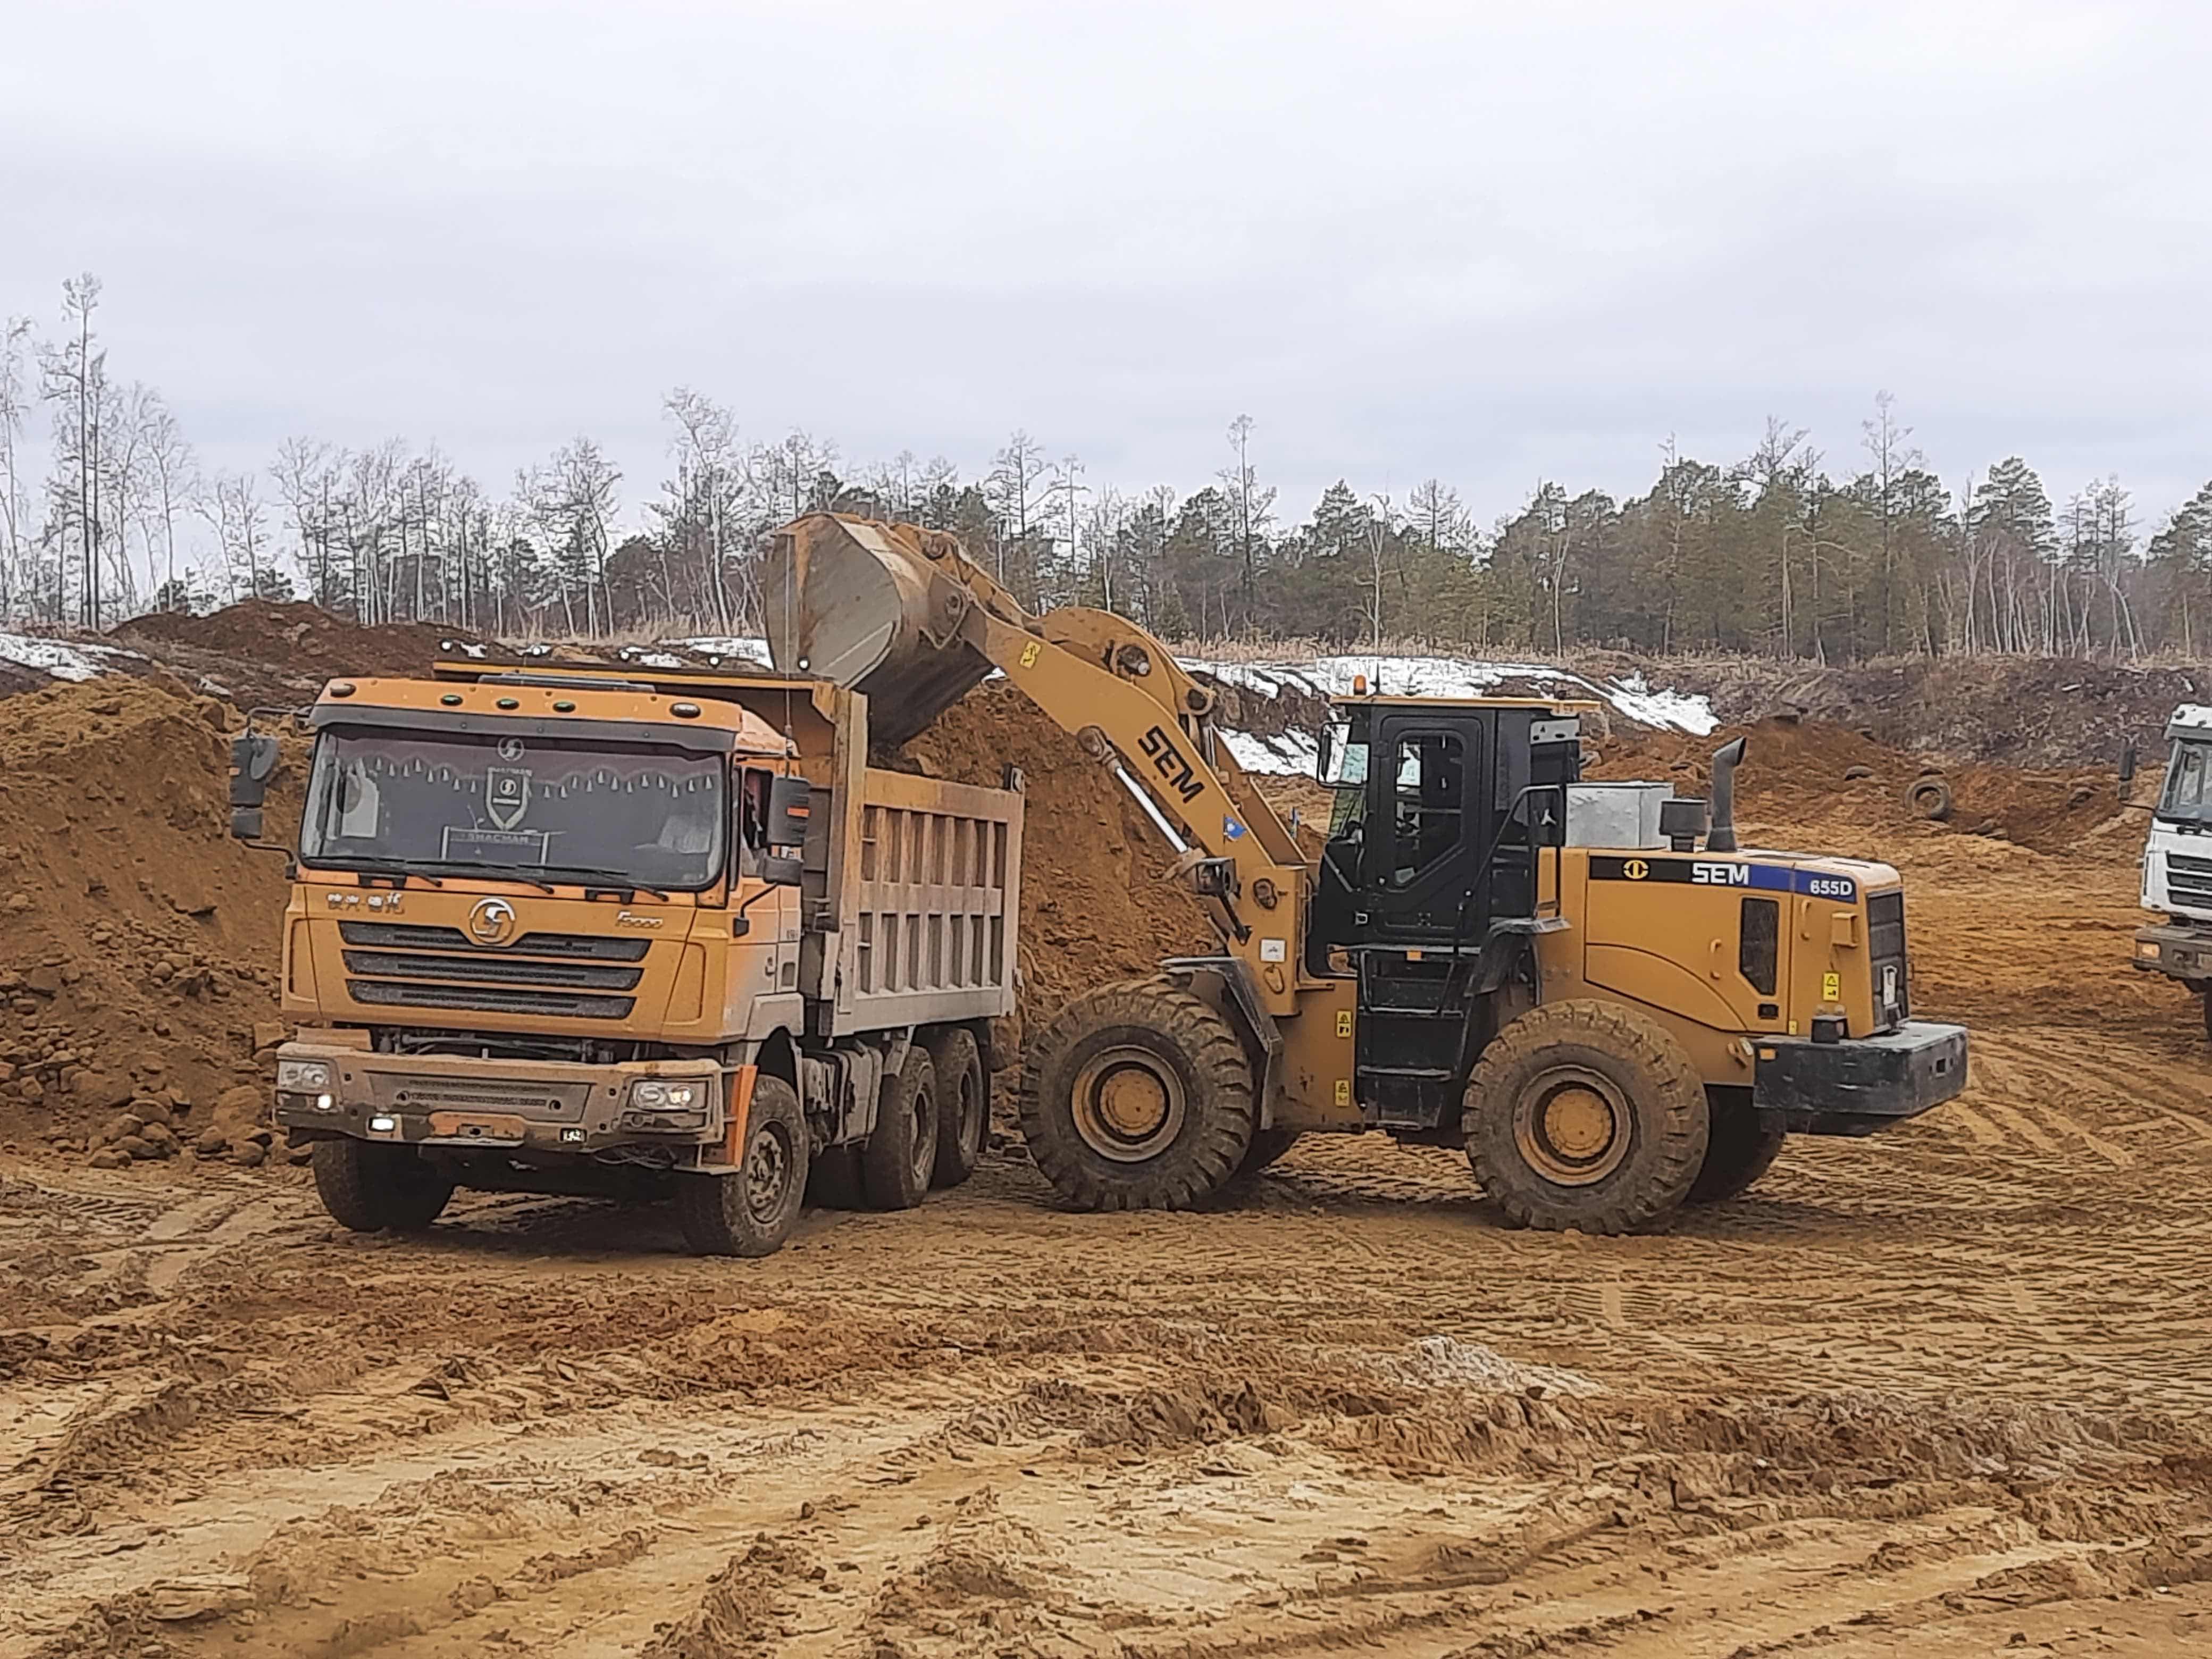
(2177, 862)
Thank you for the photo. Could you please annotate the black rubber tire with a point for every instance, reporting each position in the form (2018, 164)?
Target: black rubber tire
(751, 1211)
(1267, 1145)
(963, 1103)
(833, 1179)
(1668, 1119)
(900, 1153)
(1189, 1043)
(2206, 998)
(1928, 797)
(375, 1186)
(1737, 1152)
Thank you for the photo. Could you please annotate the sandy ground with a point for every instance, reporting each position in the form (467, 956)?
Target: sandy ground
(1942, 1392)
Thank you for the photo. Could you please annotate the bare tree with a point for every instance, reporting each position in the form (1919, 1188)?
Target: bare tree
(232, 509)
(17, 579)
(1014, 488)
(1252, 508)
(74, 376)
(703, 507)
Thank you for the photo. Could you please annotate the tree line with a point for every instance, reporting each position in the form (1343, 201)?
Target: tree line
(1779, 553)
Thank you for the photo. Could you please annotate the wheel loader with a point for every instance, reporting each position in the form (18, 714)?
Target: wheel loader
(1589, 986)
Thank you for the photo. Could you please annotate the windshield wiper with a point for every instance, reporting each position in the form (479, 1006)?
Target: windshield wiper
(420, 868)
(377, 867)
(609, 879)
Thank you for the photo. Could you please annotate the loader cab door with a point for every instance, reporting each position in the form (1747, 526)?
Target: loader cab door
(1409, 833)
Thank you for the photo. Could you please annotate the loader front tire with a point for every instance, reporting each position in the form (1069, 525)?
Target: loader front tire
(753, 1209)
(375, 1186)
(1737, 1152)
(1137, 1097)
(1267, 1145)
(963, 1104)
(1586, 1114)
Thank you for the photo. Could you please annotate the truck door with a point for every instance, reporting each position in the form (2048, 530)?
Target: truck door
(1426, 778)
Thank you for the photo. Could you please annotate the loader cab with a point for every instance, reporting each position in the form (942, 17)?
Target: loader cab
(1438, 807)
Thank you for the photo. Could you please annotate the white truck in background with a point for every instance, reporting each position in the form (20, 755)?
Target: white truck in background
(2176, 863)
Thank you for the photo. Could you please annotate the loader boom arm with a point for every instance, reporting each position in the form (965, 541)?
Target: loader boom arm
(902, 614)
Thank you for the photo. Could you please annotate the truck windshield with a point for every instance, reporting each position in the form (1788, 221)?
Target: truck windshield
(545, 808)
(2188, 793)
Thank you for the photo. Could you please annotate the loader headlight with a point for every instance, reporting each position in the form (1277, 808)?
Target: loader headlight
(302, 1076)
(655, 1095)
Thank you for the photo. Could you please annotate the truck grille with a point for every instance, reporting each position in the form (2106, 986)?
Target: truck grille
(2189, 880)
(559, 976)
(1892, 986)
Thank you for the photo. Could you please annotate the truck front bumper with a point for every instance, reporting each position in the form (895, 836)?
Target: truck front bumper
(1860, 1084)
(2176, 949)
(539, 1106)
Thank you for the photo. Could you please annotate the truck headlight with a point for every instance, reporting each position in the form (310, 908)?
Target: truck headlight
(2147, 950)
(302, 1076)
(657, 1095)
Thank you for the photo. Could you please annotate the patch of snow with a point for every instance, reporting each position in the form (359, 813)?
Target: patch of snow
(738, 647)
(1286, 754)
(58, 658)
(1464, 676)
(463, 647)
(1446, 1362)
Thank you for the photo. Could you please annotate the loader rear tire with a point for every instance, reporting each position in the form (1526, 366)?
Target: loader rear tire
(902, 1150)
(963, 1104)
(753, 1210)
(374, 1186)
(1137, 1097)
(1267, 1145)
(1737, 1152)
(1586, 1114)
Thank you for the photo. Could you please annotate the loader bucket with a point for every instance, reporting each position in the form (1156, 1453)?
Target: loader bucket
(855, 604)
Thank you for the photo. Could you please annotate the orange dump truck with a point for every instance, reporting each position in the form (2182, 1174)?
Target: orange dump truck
(633, 934)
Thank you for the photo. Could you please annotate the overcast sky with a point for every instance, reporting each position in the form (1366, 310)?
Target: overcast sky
(1492, 243)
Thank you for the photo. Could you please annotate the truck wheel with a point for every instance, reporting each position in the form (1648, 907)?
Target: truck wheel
(963, 1104)
(1586, 1114)
(751, 1211)
(901, 1151)
(1737, 1152)
(373, 1186)
(1138, 1097)
(1267, 1145)
(1930, 798)
(2207, 1000)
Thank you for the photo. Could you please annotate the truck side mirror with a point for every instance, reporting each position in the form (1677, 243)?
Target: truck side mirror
(1324, 752)
(2127, 768)
(779, 872)
(790, 809)
(252, 758)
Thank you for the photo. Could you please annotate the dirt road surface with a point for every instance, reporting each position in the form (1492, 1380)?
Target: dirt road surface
(1945, 1391)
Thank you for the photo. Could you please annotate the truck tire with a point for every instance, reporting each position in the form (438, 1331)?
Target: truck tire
(2206, 998)
(1928, 797)
(1586, 1114)
(1737, 1152)
(1138, 1097)
(751, 1211)
(963, 1104)
(901, 1153)
(373, 1186)
(1267, 1145)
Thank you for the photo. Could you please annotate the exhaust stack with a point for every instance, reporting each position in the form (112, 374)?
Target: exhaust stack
(1721, 838)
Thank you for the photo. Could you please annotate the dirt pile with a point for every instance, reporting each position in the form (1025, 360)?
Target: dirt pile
(261, 653)
(2021, 711)
(1094, 905)
(138, 942)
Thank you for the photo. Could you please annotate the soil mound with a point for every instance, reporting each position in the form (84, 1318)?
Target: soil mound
(138, 942)
(1094, 906)
(260, 651)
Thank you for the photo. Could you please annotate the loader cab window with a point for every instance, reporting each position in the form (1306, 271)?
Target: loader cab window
(1427, 799)
(2188, 793)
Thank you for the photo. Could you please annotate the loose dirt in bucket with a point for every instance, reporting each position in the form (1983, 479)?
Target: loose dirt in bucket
(1943, 1391)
